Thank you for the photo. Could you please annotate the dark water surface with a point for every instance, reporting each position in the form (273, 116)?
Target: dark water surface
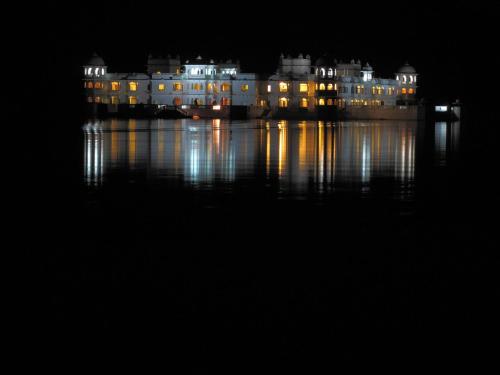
(304, 243)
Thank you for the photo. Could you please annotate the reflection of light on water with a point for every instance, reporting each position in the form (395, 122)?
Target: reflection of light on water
(304, 155)
(440, 142)
(282, 147)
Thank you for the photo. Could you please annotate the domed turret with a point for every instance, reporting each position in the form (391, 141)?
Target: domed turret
(95, 66)
(407, 68)
(96, 60)
(407, 74)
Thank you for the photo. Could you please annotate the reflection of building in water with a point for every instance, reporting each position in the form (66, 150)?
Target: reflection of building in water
(446, 141)
(298, 155)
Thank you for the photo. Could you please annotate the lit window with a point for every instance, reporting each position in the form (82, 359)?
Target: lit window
(390, 91)
(97, 99)
(329, 102)
(99, 85)
(244, 88)
(209, 86)
(132, 100)
(322, 70)
(360, 89)
(330, 72)
(321, 101)
(374, 90)
(263, 103)
(115, 86)
(404, 78)
(411, 91)
(225, 101)
(161, 87)
(380, 90)
(403, 91)
(226, 87)
(283, 87)
(197, 87)
(304, 103)
(330, 86)
(322, 86)
(114, 100)
(90, 85)
(303, 87)
(177, 86)
(283, 102)
(268, 88)
(132, 86)
(177, 101)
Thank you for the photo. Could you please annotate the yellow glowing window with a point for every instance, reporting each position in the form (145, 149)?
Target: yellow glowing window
(161, 87)
(132, 86)
(283, 87)
(411, 91)
(197, 87)
(97, 99)
(244, 88)
(380, 90)
(283, 102)
(114, 100)
(177, 86)
(403, 91)
(115, 86)
(330, 86)
(90, 85)
(263, 103)
(359, 89)
(132, 100)
(303, 103)
(209, 86)
(322, 86)
(321, 101)
(390, 91)
(329, 102)
(303, 87)
(226, 87)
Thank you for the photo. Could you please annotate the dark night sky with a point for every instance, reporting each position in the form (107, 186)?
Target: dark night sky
(440, 40)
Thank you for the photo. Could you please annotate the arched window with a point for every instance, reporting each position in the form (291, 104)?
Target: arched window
(283, 87)
(330, 72)
(321, 101)
(322, 72)
(404, 78)
(322, 87)
(283, 102)
(403, 91)
(411, 91)
(330, 86)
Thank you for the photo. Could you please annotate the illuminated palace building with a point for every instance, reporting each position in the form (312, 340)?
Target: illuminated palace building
(299, 89)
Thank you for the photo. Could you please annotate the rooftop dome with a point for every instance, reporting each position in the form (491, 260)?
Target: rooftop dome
(407, 68)
(367, 67)
(96, 60)
(324, 61)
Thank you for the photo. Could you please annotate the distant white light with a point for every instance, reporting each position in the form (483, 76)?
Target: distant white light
(216, 107)
(441, 108)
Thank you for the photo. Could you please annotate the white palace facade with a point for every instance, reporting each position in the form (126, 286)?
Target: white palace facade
(299, 88)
